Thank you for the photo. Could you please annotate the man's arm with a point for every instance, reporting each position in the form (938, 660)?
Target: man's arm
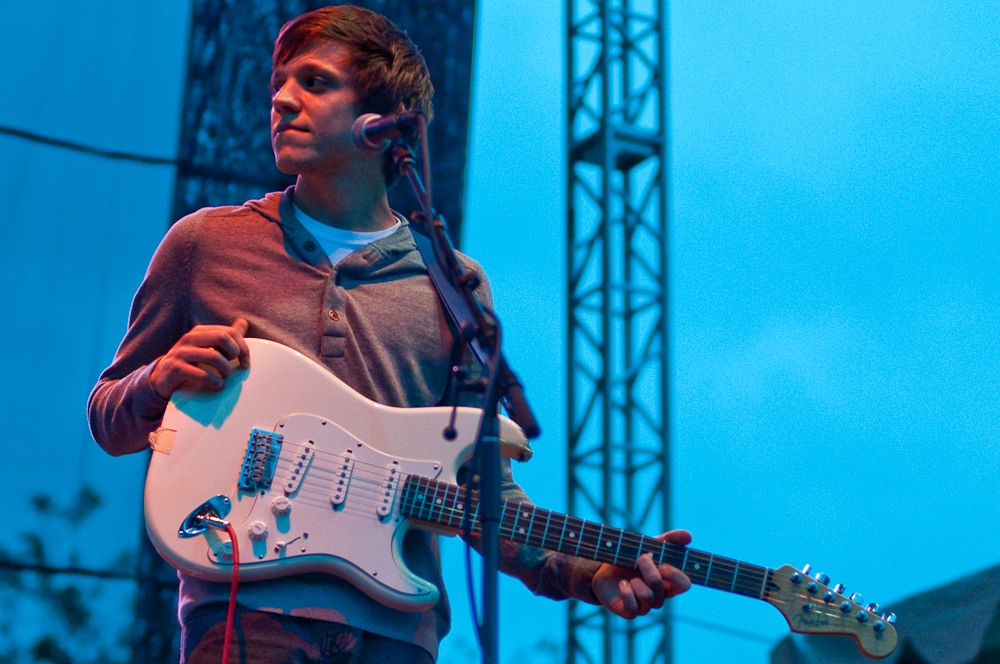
(624, 591)
(634, 592)
(162, 350)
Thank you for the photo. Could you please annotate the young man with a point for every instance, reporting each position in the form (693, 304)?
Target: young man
(328, 269)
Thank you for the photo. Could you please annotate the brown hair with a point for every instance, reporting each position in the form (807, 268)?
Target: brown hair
(389, 73)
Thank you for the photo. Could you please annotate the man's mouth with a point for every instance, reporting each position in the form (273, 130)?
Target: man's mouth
(284, 128)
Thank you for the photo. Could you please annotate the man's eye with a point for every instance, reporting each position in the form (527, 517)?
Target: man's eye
(314, 81)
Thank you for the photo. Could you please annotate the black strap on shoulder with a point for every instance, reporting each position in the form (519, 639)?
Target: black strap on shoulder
(454, 303)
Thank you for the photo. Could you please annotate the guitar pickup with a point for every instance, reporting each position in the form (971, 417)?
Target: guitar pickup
(342, 479)
(300, 463)
(387, 494)
(260, 460)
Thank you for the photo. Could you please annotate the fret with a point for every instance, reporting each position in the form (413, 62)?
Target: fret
(696, 566)
(513, 528)
(642, 550)
(531, 525)
(629, 549)
(457, 503)
(673, 554)
(434, 502)
(503, 515)
(545, 533)
(722, 574)
(579, 536)
(439, 502)
(404, 498)
(597, 546)
(562, 534)
(422, 497)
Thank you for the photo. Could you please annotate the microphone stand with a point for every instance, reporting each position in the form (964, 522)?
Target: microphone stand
(481, 331)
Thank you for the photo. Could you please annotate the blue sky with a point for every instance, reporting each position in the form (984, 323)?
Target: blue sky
(834, 276)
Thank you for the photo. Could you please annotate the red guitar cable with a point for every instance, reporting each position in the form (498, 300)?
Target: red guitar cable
(230, 614)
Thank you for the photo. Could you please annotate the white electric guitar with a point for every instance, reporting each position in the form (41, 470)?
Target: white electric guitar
(315, 477)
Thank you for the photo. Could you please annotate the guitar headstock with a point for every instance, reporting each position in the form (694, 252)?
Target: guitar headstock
(811, 607)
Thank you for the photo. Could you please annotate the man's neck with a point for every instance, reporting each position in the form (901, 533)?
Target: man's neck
(344, 205)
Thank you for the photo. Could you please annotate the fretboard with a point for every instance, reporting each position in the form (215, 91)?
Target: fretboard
(437, 502)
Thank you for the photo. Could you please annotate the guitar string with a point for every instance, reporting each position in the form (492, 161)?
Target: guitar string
(747, 583)
(589, 544)
(748, 577)
(629, 540)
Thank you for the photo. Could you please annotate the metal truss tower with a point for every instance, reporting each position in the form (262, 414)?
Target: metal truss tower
(618, 334)
(224, 158)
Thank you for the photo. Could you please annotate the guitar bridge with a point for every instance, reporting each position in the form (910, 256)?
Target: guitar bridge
(260, 460)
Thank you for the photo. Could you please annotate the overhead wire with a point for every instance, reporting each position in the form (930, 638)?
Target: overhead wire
(86, 149)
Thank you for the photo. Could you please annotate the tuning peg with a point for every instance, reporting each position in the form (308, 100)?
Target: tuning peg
(822, 578)
(889, 618)
(873, 607)
(857, 598)
(806, 569)
(839, 588)
(795, 577)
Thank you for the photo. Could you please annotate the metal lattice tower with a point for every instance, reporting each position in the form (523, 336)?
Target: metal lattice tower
(618, 413)
(224, 158)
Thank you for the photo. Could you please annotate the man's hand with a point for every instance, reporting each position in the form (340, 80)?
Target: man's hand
(202, 359)
(634, 592)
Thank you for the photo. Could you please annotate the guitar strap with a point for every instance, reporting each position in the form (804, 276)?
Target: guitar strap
(455, 304)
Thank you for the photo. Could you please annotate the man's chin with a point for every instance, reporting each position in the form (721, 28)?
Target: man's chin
(289, 165)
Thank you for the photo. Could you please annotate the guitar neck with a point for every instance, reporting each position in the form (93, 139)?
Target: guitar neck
(440, 503)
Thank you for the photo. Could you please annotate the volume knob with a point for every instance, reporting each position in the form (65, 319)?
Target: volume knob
(281, 506)
(257, 531)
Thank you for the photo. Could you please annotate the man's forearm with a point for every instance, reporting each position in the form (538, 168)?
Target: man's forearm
(124, 411)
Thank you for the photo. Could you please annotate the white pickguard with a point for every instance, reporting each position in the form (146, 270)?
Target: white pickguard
(200, 451)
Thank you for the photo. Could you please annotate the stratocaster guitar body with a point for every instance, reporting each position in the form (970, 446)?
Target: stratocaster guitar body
(327, 501)
(316, 478)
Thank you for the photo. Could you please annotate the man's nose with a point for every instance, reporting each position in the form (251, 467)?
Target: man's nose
(285, 99)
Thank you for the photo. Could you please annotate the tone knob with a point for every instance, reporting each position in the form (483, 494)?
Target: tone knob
(822, 578)
(223, 551)
(281, 506)
(839, 588)
(257, 531)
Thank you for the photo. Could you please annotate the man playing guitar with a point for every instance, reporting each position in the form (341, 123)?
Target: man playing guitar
(328, 269)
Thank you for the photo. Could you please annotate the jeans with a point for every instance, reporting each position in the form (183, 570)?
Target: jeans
(260, 637)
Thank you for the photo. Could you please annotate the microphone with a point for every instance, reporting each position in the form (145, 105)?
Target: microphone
(373, 132)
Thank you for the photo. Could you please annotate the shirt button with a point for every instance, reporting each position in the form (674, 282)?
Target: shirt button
(309, 245)
(333, 314)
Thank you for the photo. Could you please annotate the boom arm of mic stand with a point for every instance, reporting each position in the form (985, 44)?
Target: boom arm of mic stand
(471, 319)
